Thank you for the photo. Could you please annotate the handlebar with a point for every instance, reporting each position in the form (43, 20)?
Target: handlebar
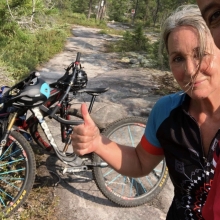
(59, 119)
(78, 57)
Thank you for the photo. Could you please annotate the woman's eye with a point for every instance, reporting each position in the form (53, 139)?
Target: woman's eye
(205, 54)
(177, 59)
(214, 17)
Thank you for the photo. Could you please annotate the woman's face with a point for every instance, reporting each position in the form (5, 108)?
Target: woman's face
(183, 49)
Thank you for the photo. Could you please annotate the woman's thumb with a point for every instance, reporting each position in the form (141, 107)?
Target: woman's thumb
(86, 116)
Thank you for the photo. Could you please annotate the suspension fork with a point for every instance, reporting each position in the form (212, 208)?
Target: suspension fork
(11, 121)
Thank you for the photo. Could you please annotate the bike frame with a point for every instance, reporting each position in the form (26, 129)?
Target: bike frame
(38, 114)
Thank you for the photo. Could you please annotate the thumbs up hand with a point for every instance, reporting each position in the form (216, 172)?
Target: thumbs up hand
(85, 137)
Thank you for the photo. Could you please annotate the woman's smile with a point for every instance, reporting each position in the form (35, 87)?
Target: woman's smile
(199, 82)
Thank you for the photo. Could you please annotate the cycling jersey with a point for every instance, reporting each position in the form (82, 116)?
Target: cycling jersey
(173, 132)
(211, 208)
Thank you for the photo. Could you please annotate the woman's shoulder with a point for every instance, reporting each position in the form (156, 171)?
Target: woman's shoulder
(167, 103)
(172, 100)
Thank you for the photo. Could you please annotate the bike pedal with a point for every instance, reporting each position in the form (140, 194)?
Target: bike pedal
(74, 169)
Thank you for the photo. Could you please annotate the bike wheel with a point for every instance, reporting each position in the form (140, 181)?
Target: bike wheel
(17, 173)
(122, 190)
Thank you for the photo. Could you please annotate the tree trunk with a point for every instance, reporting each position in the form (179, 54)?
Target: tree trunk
(90, 8)
(10, 10)
(136, 7)
(33, 9)
(146, 10)
(156, 12)
(99, 10)
(103, 10)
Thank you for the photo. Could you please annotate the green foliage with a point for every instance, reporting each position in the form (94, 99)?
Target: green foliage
(137, 41)
(160, 61)
(80, 6)
(117, 10)
(103, 31)
(132, 41)
(27, 40)
(79, 16)
(81, 19)
(150, 12)
(111, 31)
(25, 51)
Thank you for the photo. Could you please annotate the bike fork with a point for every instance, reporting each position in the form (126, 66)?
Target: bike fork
(12, 119)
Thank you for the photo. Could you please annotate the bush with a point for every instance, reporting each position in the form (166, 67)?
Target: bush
(161, 62)
(132, 41)
(26, 50)
(79, 16)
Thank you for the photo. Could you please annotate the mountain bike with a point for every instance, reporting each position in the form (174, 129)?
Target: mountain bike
(120, 189)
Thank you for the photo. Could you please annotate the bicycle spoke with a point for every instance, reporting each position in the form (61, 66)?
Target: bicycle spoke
(12, 173)
(11, 154)
(106, 174)
(11, 178)
(123, 186)
(110, 182)
(131, 186)
(11, 162)
(123, 190)
(10, 184)
(7, 194)
(142, 185)
(148, 180)
(131, 138)
(1, 158)
(1, 200)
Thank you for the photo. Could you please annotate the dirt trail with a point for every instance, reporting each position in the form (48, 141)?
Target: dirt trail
(130, 94)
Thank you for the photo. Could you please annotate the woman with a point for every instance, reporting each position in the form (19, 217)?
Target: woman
(183, 126)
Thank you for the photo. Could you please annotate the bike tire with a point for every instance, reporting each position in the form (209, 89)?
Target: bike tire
(122, 190)
(17, 172)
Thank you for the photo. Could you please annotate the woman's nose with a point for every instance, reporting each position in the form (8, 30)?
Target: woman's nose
(191, 66)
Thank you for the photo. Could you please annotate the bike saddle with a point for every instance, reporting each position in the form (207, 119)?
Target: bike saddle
(94, 91)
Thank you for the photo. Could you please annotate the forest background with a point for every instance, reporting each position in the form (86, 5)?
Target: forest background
(32, 31)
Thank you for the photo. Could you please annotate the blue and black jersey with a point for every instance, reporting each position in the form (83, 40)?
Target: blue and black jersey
(173, 132)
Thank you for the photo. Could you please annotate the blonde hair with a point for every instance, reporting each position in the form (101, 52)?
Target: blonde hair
(185, 15)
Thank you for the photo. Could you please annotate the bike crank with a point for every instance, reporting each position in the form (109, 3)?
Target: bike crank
(74, 169)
